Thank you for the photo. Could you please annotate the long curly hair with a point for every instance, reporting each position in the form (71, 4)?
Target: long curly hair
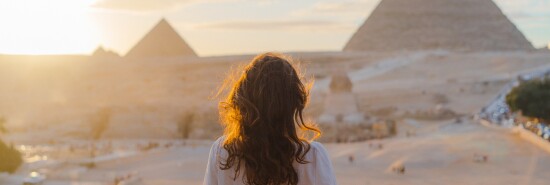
(265, 132)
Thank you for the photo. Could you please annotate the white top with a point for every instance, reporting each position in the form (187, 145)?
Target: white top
(317, 172)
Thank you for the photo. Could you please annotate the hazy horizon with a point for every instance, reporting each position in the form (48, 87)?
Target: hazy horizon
(212, 27)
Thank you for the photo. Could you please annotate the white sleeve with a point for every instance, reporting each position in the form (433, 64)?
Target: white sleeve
(324, 174)
(211, 176)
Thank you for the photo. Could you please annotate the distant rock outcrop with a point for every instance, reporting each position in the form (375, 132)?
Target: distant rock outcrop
(464, 25)
(161, 41)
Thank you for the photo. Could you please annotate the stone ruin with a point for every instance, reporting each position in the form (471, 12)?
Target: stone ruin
(341, 105)
(341, 119)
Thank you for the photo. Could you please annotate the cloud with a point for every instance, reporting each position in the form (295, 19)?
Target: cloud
(357, 6)
(525, 9)
(341, 8)
(150, 5)
(142, 5)
(267, 25)
(145, 6)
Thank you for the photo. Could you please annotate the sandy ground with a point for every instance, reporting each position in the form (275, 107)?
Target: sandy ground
(445, 156)
(154, 94)
(148, 98)
(441, 153)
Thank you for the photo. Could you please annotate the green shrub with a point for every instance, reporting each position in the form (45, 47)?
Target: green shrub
(532, 98)
(10, 158)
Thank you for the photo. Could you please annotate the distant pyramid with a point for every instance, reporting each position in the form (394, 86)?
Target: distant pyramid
(456, 25)
(101, 52)
(161, 41)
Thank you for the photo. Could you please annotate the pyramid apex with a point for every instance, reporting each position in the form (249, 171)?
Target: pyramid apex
(99, 49)
(163, 21)
(161, 41)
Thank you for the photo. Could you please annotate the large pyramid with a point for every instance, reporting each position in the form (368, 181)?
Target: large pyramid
(161, 41)
(456, 25)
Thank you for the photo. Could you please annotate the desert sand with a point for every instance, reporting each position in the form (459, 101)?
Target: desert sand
(155, 94)
(441, 153)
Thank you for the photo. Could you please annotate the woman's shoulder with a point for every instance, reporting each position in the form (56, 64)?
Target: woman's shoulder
(316, 145)
(219, 142)
(217, 148)
(317, 148)
(318, 156)
(217, 145)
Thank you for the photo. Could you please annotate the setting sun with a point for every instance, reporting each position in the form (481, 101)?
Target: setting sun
(47, 27)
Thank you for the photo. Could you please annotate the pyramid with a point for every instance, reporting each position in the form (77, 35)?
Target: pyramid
(102, 52)
(454, 25)
(161, 41)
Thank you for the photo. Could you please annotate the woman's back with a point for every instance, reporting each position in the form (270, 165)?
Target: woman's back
(264, 140)
(317, 171)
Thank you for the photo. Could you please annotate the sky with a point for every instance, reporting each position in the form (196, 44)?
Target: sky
(210, 27)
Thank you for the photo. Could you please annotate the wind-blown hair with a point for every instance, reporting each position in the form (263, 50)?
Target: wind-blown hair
(263, 118)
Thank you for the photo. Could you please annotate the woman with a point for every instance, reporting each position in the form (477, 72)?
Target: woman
(263, 119)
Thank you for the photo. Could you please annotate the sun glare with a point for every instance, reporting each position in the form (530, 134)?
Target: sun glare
(47, 27)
